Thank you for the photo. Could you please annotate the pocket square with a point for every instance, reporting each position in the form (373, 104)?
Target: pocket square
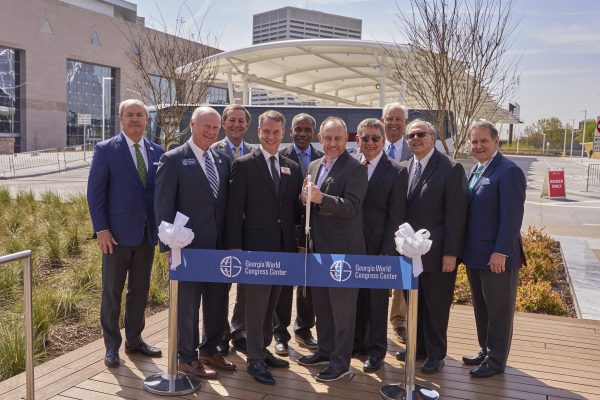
(485, 181)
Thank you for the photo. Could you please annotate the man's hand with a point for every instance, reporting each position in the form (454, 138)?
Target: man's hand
(106, 241)
(448, 263)
(497, 263)
(315, 193)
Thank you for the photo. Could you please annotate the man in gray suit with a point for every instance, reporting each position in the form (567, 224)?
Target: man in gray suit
(437, 201)
(394, 119)
(341, 185)
(193, 180)
(301, 151)
(235, 121)
(383, 212)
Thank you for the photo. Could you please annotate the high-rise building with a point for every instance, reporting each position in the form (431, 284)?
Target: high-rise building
(297, 23)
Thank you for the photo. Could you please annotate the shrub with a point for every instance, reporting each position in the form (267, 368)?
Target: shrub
(159, 281)
(10, 282)
(538, 297)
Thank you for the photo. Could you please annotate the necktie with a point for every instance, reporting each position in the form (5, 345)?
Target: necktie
(391, 151)
(211, 174)
(475, 177)
(274, 174)
(236, 152)
(141, 165)
(416, 177)
(366, 164)
(303, 163)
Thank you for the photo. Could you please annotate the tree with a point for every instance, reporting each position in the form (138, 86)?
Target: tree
(552, 128)
(163, 73)
(457, 60)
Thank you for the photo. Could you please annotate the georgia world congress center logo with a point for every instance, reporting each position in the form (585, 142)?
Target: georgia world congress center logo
(340, 271)
(230, 266)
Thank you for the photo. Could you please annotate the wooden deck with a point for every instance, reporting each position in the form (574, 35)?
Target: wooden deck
(551, 358)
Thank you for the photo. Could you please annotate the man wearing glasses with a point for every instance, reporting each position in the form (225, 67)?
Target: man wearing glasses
(437, 201)
(383, 212)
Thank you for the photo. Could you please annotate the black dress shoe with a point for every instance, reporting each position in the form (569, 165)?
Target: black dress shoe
(373, 363)
(240, 345)
(223, 348)
(329, 374)
(275, 362)
(474, 360)
(112, 360)
(308, 342)
(401, 355)
(258, 370)
(281, 348)
(313, 359)
(431, 365)
(484, 370)
(144, 349)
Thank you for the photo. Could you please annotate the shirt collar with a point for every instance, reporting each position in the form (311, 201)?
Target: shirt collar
(268, 155)
(130, 142)
(197, 150)
(299, 152)
(425, 159)
(374, 161)
(232, 146)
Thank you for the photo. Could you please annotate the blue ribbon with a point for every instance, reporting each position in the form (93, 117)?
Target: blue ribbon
(270, 268)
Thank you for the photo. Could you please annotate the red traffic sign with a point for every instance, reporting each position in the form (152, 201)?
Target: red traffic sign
(598, 126)
(556, 184)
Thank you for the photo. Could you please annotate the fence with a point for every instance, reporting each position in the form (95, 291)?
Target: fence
(45, 161)
(593, 176)
(26, 257)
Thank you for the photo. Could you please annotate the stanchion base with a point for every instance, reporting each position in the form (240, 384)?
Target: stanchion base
(180, 384)
(398, 392)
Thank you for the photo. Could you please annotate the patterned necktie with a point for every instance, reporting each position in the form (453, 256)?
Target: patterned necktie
(141, 165)
(274, 174)
(211, 174)
(391, 151)
(475, 177)
(236, 152)
(416, 177)
(303, 162)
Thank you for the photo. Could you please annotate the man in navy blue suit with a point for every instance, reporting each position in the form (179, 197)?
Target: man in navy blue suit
(493, 247)
(120, 196)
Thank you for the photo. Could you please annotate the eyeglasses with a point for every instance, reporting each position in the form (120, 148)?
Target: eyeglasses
(367, 139)
(420, 135)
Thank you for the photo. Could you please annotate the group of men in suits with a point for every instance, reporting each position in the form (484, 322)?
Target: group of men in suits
(240, 197)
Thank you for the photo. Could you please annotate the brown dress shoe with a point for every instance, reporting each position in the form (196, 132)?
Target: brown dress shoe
(217, 361)
(196, 368)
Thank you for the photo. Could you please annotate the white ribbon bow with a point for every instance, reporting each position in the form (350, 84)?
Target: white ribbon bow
(176, 236)
(413, 244)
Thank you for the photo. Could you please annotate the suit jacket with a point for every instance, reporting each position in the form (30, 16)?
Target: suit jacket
(182, 185)
(384, 206)
(257, 217)
(337, 221)
(496, 207)
(117, 199)
(439, 204)
(290, 152)
(223, 147)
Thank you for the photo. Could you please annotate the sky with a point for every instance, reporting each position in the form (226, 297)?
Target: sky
(558, 42)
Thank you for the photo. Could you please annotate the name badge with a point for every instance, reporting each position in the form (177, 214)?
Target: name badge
(286, 171)
(189, 161)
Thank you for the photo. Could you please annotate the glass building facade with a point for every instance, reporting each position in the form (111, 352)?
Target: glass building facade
(84, 96)
(10, 95)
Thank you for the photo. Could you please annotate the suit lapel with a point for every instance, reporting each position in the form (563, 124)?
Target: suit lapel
(197, 169)
(283, 162)
(221, 170)
(431, 167)
(379, 170)
(152, 156)
(261, 166)
(487, 172)
(336, 167)
(125, 155)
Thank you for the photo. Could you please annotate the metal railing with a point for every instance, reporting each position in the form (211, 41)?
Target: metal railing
(26, 257)
(593, 176)
(47, 161)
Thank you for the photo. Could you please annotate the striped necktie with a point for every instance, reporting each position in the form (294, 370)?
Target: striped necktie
(211, 174)
(416, 177)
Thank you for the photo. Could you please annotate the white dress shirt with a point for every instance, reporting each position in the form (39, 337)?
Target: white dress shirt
(372, 164)
(423, 163)
(199, 153)
(130, 144)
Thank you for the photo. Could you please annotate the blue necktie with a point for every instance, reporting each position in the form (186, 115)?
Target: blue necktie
(304, 161)
(475, 177)
(211, 174)
(391, 151)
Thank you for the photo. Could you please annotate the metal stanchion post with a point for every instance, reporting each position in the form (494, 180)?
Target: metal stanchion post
(409, 390)
(172, 383)
(28, 328)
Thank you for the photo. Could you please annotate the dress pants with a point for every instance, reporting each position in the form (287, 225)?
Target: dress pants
(213, 297)
(494, 298)
(436, 293)
(398, 311)
(335, 309)
(305, 317)
(370, 333)
(134, 263)
(237, 329)
(259, 319)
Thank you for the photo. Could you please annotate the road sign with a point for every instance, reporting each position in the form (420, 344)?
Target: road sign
(554, 184)
(597, 125)
(84, 119)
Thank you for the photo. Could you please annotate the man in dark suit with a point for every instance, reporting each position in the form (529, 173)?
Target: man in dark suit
(337, 197)
(493, 247)
(120, 197)
(302, 152)
(437, 201)
(394, 119)
(236, 121)
(193, 180)
(262, 212)
(383, 212)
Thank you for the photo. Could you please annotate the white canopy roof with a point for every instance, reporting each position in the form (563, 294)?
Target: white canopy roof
(342, 72)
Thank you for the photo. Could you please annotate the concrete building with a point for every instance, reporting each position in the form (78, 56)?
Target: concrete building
(57, 58)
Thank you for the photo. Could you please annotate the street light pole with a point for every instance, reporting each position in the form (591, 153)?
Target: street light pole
(543, 144)
(572, 136)
(583, 134)
(104, 78)
(565, 144)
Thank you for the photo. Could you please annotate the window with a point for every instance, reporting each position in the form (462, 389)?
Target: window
(10, 94)
(217, 95)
